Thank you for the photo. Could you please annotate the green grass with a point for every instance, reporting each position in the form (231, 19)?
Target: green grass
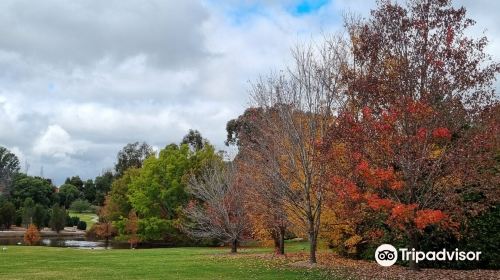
(23, 262)
(89, 218)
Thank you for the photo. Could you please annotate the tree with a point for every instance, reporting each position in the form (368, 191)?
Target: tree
(39, 216)
(158, 192)
(132, 155)
(295, 110)
(7, 214)
(58, 218)
(38, 189)
(194, 140)
(266, 207)
(89, 191)
(28, 210)
(219, 212)
(77, 182)
(104, 230)
(159, 189)
(31, 236)
(67, 194)
(9, 165)
(117, 203)
(80, 206)
(102, 186)
(416, 88)
(131, 228)
(155, 228)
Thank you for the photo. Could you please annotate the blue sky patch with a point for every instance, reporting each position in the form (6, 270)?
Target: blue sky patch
(309, 6)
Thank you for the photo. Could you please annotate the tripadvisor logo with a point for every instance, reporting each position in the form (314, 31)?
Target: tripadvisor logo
(387, 255)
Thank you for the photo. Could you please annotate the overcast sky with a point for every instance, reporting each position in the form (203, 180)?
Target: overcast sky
(80, 79)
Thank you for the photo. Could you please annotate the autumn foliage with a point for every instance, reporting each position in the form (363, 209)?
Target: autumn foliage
(131, 228)
(404, 135)
(32, 235)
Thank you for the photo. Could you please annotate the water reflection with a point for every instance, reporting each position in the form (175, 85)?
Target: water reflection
(73, 242)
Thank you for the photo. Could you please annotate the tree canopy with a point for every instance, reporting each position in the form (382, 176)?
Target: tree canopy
(9, 165)
(132, 155)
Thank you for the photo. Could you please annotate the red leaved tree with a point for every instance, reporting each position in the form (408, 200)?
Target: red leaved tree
(418, 89)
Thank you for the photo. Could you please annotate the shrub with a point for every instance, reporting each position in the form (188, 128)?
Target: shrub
(75, 221)
(481, 233)
(31, 236)
(81, 225)
(69, 222)
(72, 221)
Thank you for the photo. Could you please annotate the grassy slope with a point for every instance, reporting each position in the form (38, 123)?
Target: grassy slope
(20, 262)
(89, 218)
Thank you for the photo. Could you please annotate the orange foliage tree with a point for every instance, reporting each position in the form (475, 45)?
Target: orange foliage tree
(295, 109)
(104, 229)
(32, 235)
(131, 228)
(266, 206)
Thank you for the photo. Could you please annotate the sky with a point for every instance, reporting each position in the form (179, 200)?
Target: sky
(81, 79)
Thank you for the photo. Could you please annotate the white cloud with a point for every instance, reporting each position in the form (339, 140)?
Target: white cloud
(57, 143)
(80, 79)
(81, 32)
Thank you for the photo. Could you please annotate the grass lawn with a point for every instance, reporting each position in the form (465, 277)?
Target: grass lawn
(89, 218)
(23, 262)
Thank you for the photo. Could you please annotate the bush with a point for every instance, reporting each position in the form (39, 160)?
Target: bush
(80, 206)
(75, 221)
(72, 221)
(480, 234)
(69, 223)
(483, 235)
(81, 225)
(31, 236)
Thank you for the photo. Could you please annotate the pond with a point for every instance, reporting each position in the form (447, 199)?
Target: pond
(74, 242)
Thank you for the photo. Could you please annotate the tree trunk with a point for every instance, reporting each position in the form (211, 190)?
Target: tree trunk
(276, 240)
(313, 243)
(234, 246)
(414, 243)
(282, 241)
